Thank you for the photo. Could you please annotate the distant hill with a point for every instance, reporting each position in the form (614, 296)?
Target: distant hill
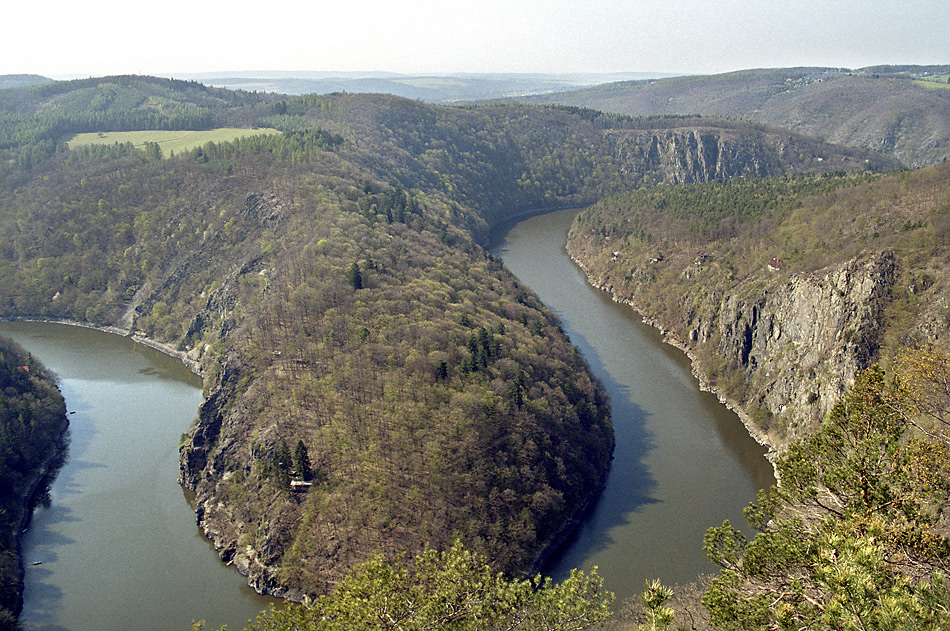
(55, 111)
(452, 88)
(20, 80)
(903, 111)
(330, 284)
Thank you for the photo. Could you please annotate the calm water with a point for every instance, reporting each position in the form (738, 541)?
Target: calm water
(683, 462)
(118, 546)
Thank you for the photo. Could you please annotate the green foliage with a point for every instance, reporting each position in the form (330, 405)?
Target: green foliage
(354, 277)
(659, 615)
(302, 465)
(32, 445)
(454, 589)
(852, 539)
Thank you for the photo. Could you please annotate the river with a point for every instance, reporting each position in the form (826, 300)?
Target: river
(683, 462)
(118, 548)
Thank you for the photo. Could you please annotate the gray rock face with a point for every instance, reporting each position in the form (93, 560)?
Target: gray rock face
(802, 343)
(796, 346)
(689, 155)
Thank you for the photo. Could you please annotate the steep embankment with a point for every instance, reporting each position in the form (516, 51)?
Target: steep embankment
(33, 442)
(883, 109)
(780, 290)
(375, 380)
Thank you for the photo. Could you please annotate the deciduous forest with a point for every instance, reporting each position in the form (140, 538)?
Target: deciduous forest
(387, 405)
(32, 444)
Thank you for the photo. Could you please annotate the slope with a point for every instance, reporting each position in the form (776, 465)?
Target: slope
(890, 112)
(328, 282)
(782, 290)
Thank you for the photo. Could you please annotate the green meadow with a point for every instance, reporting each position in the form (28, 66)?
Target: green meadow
(170, 141)
(934, 81)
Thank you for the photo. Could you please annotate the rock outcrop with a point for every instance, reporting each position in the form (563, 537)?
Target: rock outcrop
(782, 353)
(801, 343)
(709, 152)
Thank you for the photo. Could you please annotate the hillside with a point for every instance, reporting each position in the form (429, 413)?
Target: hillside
(33, 444)
(329, 284)
(782, 290)
(38, 116)
(887, 109)
(21, 80)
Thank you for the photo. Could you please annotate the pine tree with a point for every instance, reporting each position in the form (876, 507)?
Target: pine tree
(302, 461)
(355, 277)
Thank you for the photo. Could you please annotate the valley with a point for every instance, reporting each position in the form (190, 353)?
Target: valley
(332, 286)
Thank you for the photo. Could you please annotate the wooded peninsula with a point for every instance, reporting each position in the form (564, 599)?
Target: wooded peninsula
(377, 383)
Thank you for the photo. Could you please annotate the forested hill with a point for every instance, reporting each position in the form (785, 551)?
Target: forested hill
(32, 444)
(38, 116)
(21, 80)
(903, 111)
(783, 289)
(500, 160)
(375, 380)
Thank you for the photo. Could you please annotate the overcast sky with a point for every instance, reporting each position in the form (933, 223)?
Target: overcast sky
(102, 37)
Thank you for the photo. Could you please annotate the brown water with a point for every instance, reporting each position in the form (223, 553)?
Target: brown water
(683, 462)
(118, 546)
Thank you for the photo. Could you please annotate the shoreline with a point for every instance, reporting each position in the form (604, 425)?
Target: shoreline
(190, 362)
(29, 502)
(772, 452)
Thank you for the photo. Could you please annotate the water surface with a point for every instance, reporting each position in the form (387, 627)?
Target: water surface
(683, 462)
(118, 546)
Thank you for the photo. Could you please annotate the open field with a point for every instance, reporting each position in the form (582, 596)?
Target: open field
(938, 82)
(170, 141)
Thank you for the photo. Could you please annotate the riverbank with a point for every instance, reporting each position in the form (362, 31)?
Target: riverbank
(34, 427)
(117, 510)
(188, 359)
(38, 488)
(772, 450)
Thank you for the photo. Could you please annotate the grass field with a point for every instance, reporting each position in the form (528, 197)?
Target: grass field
(933, 81)
(170, 141)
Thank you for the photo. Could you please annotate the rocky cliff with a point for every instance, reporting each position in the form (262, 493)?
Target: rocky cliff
(698, 150)
(800, 343)
(780, 339)
(782, 355)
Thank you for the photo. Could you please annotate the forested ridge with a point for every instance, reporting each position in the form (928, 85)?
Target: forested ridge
(32, 444)
(770, 282)
(376, 382)
(902, 111)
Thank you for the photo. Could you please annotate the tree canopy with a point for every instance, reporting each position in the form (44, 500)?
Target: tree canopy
(454, 589)
(855, 537)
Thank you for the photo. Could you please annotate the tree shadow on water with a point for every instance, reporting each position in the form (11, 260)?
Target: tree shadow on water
(630, 484)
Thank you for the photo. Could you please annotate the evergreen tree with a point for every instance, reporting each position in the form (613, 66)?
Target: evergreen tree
(855, 536)
(451, 590)
(302, 461)
(354, 276)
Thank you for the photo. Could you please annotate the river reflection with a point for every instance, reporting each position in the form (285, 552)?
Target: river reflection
(118, 547)
(683, 462)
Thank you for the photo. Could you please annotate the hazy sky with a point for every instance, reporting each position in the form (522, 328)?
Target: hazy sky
(100, 37)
